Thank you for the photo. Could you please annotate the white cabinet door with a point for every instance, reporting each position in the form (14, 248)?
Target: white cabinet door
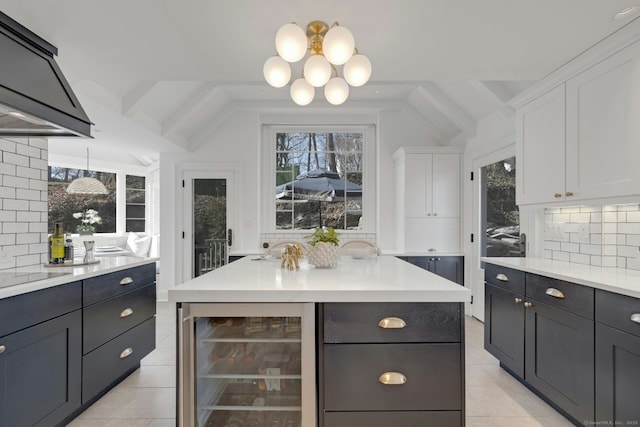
(540, 149)
(418, 189)
(446, 185)
(603, 130)
(432, 235)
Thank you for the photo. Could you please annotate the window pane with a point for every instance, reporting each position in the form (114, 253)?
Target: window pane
(319, 200)
(62, 205)
(135, 211)
(135, 225)
(135, 199)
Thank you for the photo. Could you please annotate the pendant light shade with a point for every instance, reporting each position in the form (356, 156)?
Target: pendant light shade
(336, 91)
(86, 185)
(277, 71)
(291, 42)
(317, 70)
(338, 45)
(302, 92)
(357, 71)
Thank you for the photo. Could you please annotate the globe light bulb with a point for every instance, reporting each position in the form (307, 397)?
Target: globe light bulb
(357, 71)
(338, 45)
(291, 42)
(277, 71)
(336, 91)
(302, 92)
(317, 70)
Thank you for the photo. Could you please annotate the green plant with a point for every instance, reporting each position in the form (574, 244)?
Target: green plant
(323, 234)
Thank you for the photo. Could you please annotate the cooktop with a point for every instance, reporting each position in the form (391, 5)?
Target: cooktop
(14, 278)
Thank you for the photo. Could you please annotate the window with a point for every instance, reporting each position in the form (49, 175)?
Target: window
(63, 205)
(319, 178)
(117, 214)
(136, 196)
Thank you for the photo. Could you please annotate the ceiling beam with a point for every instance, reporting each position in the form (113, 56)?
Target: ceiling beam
(189, 108)
(448, 107)
(496, 93)
(135, 95)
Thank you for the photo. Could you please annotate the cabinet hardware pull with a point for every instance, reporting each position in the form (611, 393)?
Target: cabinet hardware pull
(126, 312)
(518, 300)
(557, 195)
(126, 352)
(569, 194)
(392, 323)
(126, 280)
(2, 348)
(502, 277)
(435, 214)
(428, 214)
(392, 378)
(528, 304)
(553, 292)
(431, 250)
(634, 318)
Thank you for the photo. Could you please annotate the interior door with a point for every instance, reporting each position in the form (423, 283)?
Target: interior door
(208, 230)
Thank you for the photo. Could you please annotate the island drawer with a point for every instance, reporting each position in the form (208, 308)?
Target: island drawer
(108, 319)
(392, 322)
(108, 363)
(109, 285)
(619, 311)
(385, 419)
(568, 296)
(505, 278)
(353, 375)
(25, 310)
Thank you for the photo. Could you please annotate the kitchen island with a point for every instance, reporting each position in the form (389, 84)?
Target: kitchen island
(372, 342)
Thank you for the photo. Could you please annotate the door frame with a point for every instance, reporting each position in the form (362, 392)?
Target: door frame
(186, 175)
(476, 270)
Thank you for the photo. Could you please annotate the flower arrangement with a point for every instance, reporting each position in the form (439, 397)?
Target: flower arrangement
(87, 220)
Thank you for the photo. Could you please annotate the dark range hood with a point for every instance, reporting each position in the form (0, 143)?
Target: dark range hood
(35, 98)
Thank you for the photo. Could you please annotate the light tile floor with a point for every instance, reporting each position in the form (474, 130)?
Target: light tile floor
(147, 397)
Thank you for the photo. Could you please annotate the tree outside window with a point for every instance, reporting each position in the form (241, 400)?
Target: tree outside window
(299, 153)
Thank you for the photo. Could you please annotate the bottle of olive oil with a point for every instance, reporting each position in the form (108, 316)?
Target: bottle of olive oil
(56, 242)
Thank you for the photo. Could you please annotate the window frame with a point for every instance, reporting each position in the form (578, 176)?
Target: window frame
(268, 175)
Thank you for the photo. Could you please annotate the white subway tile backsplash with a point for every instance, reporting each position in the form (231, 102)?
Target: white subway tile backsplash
(23, 208)
(613, 233)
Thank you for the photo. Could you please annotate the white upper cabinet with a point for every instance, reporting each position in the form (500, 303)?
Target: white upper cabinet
(540, 149)
(580, 141)
(603, 128)
(428, 199)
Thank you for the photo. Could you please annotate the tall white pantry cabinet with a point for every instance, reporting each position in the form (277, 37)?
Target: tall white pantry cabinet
(428, 199)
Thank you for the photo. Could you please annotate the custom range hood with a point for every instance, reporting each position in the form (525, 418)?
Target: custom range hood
(35, 98)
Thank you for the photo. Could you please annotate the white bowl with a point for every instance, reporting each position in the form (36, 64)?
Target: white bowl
(359, 253)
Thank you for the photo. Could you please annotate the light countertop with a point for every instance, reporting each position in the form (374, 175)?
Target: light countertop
(64, 274)
(375, 279)
(618, 280)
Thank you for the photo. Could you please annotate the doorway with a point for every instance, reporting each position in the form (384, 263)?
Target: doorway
(208, 235)
(496, 218)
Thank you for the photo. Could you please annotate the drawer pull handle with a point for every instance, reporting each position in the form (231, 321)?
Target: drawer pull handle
(126, 280)
(126, 352)
(634, 318)
(518, 300)
(126, 312)
(392, 378)
(553, 292)
(392, 323)
(2, 348)
(502, 277)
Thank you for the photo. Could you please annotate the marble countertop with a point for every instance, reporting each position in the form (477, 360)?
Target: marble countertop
(375, 279)
(618, 280)
(37, 274)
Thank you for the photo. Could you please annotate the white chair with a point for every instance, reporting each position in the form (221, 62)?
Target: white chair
(357, 246)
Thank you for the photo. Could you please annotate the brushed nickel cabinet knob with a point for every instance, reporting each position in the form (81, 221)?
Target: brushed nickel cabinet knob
(518, 300)
(528, 304)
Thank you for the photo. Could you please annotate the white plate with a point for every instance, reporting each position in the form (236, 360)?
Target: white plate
(108, 248)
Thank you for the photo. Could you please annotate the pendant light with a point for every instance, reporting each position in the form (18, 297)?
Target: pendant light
(86, 185)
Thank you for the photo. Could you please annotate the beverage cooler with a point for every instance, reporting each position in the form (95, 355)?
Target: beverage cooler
(246, 365)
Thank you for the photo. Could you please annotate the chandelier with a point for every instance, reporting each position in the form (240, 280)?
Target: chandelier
(328, 48)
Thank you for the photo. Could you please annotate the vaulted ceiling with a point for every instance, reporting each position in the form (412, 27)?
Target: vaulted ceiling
(160, 75)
